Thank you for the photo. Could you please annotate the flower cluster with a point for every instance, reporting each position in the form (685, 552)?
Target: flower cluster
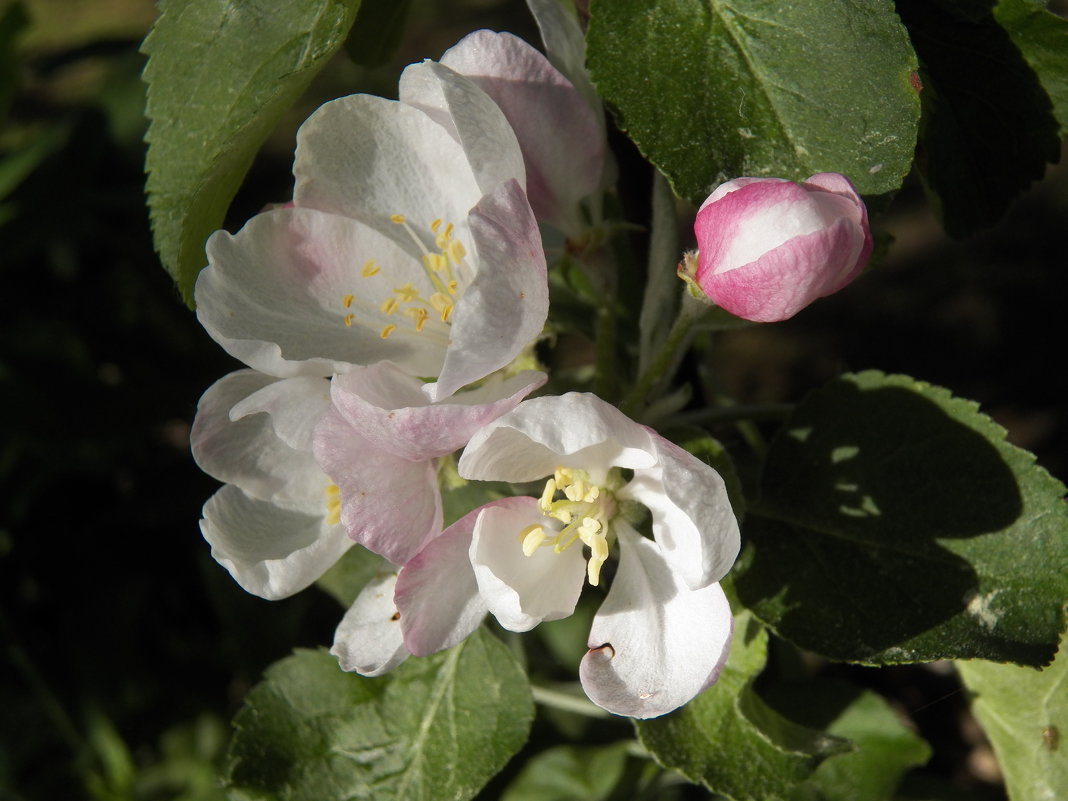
(387, 318)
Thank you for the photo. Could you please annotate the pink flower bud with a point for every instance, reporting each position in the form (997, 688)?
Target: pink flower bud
(768, 247)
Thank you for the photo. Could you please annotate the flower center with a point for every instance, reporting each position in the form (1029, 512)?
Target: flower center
(446, 267)
(586, 511)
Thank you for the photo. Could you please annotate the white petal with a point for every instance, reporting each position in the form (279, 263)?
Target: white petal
(558, 131)
(655, 643)
(270, 551)
(390, 505)
(248, 452)
(437, 594)
(369, 640)
(370, 158)
(463, 109)
(522, 591)
(574, 430)
(565, 45)
(693, 521)
(504, 309)
(273, 295)
(294, 406)
(389, 409)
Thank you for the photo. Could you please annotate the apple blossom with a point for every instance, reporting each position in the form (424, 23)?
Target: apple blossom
(661, 635)
(275, 525)
(402, 243)
(379, 441)
(768, 247)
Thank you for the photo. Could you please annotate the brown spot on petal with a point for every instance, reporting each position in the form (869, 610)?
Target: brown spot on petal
(396, 616)
(606, 650)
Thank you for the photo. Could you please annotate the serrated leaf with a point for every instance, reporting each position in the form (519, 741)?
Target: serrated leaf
(220, 73)
(715, 89)
(1043, 40)
(885, 747)
(988, 129)
(732, 742)
(570, 773)
(1024, 712)
(897, 525)
(436, 729)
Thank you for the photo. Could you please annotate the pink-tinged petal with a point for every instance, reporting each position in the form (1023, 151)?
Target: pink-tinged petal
(437, 594)
(390, 410)
(276, 295)
(504, 308)
(470, 116)
(692, 518)
(840, 185)
(369, 640)
(294, 406)
(270, 551)
(565, 45)
(521, 591)
(248, 452)
(733, 186)
(573, 430)
(655, 644)
(389, 505)
(558, 131)
(785, 280)
(369, 158)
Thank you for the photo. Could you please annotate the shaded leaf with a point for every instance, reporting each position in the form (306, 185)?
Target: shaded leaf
(988, 129)
(436, 728)
(732, 742)
(1024, 712)
(569, 773)
(377, 32)
(350, 573)
(220, 74)
(715, 89)
(897, 525)
(1043, 40)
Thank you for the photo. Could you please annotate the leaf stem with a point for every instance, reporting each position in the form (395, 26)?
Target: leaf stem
(567, 702)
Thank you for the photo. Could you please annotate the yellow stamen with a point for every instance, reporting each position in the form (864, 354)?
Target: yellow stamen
(419, 316)
(451, 286)
(406, 293)
(435, 225)
(389, 305)
(348, 320)
(369, 268)
(347, 300)
(397, 218)
(456, 251)
(333, 505)
(389, 329)
(598, 556)
(442, 305)
(546, 501)
(532, 537)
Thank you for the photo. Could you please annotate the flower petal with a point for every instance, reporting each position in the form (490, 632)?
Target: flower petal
(693, 521)
(437, 594)
(368, 640)
(558, 131)
(274, 295)
(294, 406)
(389, 505)
(504, 308)
(470, 116)
(655, 643)
(270, 551)
(522, 591)
(389, 409)
(369, 158)
(248, 451)
(541, 434)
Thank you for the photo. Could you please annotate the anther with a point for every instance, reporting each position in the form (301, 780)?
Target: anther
(348, 320)
(347, 300)
(389, 305)
(397, 219)
(389, 329)
(369, 268)
(532, 536)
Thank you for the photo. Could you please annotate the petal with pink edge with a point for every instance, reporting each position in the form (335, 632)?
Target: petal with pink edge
(655, 644)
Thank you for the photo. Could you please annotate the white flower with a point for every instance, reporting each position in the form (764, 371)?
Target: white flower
(379, 442)
(275, 525)
(402, 243)
(662, 634)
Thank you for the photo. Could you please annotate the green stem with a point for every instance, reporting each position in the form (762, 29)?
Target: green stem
(667, 359)
(567, 702)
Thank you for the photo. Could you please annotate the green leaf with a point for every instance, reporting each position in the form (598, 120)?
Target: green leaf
(897, 525)
(377, 32)
(1043, 40)
(570, 773)
(220, 74)
(886, 748)
(1024, 712)
(715, 89)
(350, 573)
(732, 742)
(988, 129)
(436, 728)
